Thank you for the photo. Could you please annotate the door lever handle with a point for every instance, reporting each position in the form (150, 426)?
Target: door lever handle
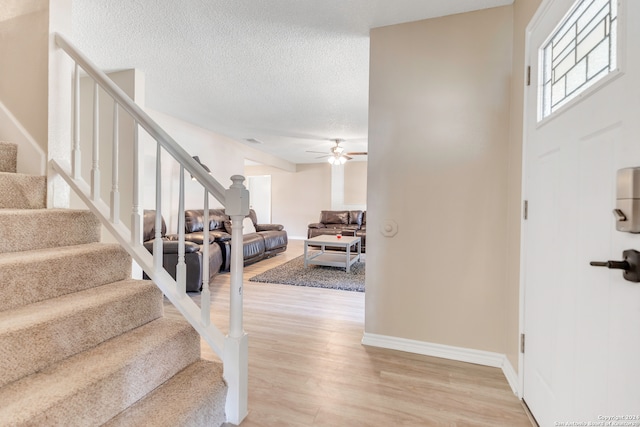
(618, 265)
(630, 265)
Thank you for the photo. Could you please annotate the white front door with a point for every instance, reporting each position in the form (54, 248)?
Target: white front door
(581, 323)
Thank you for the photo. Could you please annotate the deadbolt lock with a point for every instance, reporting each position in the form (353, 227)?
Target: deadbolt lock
(627, 210)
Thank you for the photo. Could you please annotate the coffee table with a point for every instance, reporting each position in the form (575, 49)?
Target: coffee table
(330, 257)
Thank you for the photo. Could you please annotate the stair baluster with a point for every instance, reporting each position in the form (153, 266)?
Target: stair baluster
(115, 193)
(181, 268)
(205, 309)
(95, 166)
(76, 159)
(157, 242)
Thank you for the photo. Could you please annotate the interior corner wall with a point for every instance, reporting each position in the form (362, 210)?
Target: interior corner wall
(297, 197)
(437, 166)
(523, 11)
(24, 49)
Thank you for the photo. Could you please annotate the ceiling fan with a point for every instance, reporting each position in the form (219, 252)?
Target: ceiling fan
(337, 155)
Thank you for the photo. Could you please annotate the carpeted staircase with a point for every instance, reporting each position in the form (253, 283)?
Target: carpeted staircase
(81, 343)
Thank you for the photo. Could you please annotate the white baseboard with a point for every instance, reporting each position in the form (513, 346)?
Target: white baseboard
(479, 357)
(512, 377)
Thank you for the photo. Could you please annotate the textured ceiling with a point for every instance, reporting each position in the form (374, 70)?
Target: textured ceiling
(290, 73)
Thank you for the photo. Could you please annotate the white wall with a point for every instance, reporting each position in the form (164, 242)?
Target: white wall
(349, 186)
(355, 185)
(32, 159)
(297, 197)
(24, 36)
(438, 144)
(24, 49)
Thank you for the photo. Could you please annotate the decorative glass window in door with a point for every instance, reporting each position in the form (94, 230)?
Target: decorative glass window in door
(580, 51)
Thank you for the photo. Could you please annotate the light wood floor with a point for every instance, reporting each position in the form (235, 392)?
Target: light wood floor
(307, 366)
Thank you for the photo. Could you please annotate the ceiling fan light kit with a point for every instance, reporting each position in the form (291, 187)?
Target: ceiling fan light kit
(337, 159)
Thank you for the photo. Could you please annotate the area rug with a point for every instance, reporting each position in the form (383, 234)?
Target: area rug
(294, 273)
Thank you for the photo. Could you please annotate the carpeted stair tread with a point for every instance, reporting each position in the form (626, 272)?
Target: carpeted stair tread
(80, 341)
(29, 229)
(8, 156)
(92, 387)
(200, 391)
(31, 276)
(35, 336)
(20, 191)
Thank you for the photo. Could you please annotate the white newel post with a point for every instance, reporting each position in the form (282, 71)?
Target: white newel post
(236, 349)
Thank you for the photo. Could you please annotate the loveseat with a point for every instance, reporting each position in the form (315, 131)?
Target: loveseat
(260, 241)
(352, 223)
(192, 257)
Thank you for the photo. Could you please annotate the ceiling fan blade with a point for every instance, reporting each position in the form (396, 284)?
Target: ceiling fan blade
(322, 157)
(357, 153)
(347, 157)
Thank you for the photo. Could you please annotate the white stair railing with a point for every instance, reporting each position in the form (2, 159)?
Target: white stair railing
(232, 348)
